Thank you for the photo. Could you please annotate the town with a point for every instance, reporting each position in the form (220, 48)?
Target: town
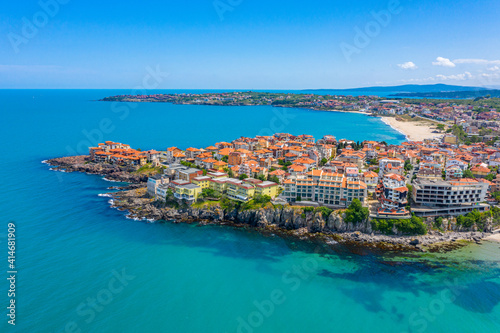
(429, 179)
(470, 120)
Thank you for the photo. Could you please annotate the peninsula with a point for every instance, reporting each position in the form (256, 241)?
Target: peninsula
(413, 195)
(417, 119)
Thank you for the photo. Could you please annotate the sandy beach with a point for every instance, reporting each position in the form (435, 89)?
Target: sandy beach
(414, 130)
(493, 238)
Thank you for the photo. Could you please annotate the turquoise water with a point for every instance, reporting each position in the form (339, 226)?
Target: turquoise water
(183, 278)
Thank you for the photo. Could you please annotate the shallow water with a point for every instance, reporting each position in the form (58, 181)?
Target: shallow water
(84, 266)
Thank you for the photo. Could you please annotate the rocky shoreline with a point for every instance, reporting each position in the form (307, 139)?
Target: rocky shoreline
(291, 221)
(286, 221)
(111, 172)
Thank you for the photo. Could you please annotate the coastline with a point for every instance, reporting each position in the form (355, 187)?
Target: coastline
(495, 237)
(413, 131)
(286, 220)
(289, 221)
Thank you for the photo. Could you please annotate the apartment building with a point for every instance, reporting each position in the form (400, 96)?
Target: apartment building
(390, 165)
(454, 197)
(392, 194)
(332, 189)
(154, 182)
(184, 190)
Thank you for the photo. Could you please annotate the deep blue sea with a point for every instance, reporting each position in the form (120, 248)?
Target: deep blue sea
(84, 267)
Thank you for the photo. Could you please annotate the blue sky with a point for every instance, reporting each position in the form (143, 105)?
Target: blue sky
(248, 44)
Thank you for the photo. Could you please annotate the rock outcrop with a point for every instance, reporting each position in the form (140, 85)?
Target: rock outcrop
(109, 171)
(287, 219)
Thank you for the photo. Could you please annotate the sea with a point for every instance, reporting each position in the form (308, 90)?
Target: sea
(81, 266)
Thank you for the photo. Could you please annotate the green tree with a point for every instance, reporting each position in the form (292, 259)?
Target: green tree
(261, 199)
(417, 226)
(274, 179)
(490, 177)
(208, 193)
(468, 174)
(243, 176)
(325, 211)
(356, 212)
(408, 166)
(438, 222)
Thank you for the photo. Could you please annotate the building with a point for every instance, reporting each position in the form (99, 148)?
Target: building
(480, 171)
(330, 189)
(454, 197)
(184, 190)
(451, 139)
(266, 188)
(391, 164)
(202, 181)
(495, 187)
(392, 194)
(453, 172)
(239, 190)
(154, 182)
(370, 178)
(187, 173)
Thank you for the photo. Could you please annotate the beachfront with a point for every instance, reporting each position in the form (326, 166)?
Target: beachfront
(413, 130)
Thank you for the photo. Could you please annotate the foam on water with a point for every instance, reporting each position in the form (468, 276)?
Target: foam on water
(189, 278)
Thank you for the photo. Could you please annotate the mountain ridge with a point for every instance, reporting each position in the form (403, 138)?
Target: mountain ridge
(410, 88)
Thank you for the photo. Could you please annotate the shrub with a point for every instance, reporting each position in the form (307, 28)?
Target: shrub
(470, 219)
(308, 209)
(413, 226)
(438, 222)
(325, 211)
(356, 212)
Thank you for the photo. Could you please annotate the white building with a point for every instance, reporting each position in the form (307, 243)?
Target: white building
(392, 194)
(454, 197)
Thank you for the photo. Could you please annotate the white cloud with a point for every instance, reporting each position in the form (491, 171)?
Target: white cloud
(440, 61)
(427, 79)
(477, 61)
(455, 77)
(408, 65)
(491, 76)
(493, 69)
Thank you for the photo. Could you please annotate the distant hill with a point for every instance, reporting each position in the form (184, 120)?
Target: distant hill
(452, 94)
(408, 88)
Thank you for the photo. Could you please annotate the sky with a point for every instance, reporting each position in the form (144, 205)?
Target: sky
(248, 44)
